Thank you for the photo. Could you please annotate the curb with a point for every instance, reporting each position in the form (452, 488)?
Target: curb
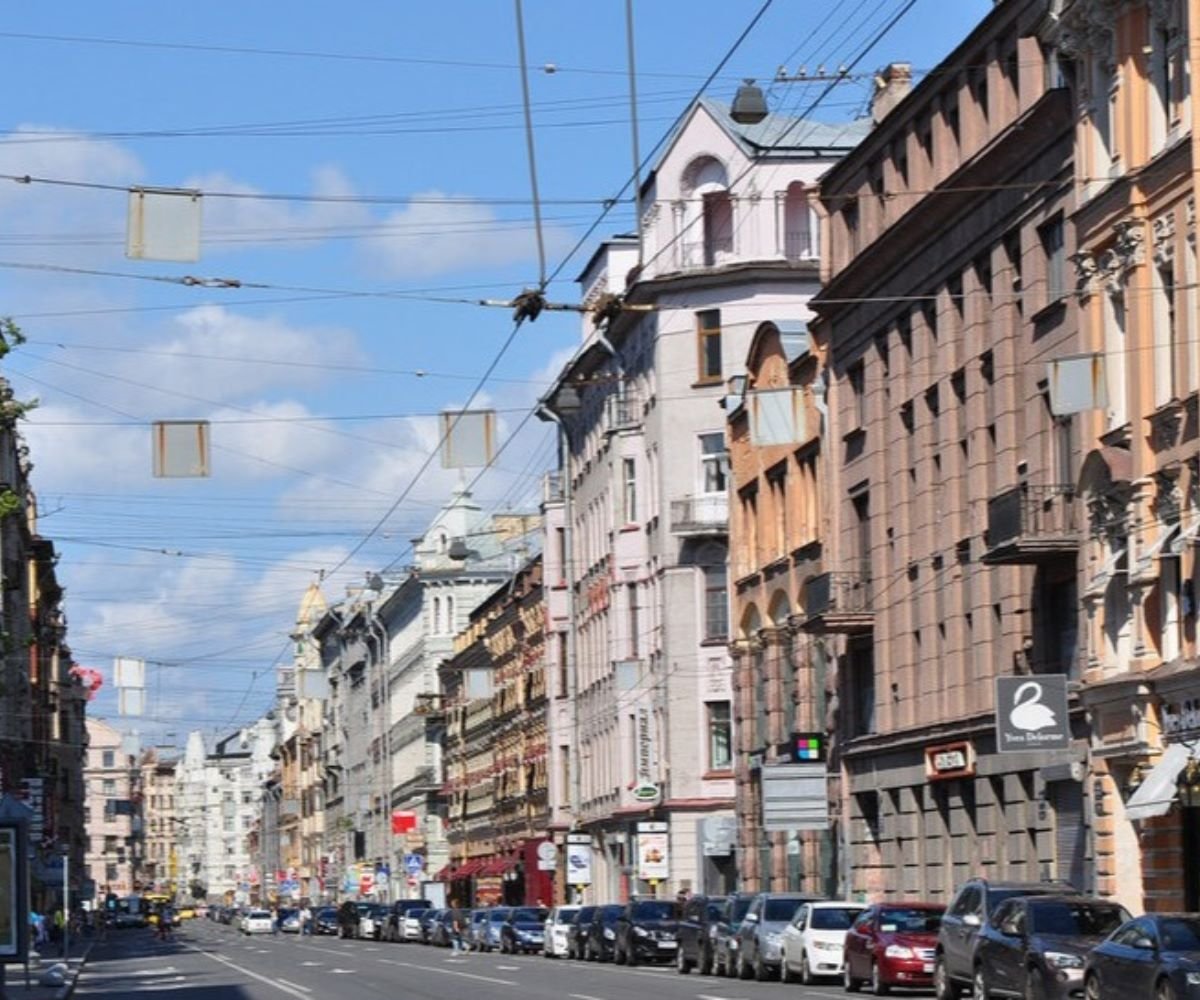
(68, 987)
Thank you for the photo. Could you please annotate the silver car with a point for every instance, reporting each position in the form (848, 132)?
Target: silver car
(761, 933)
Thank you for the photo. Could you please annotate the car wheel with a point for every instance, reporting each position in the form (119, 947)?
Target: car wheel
(1164, 990)
(618, 955)
(806, 976)
(743, 967)
(1091, 987)
(705, 967)
(878, 986)
(761, 972)
(944, 987)
(682, 966)
(1035, 985)
(785, 971)
(851, 984)
(979, 985)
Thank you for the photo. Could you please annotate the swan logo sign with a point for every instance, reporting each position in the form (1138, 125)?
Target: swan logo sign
(1032, 714)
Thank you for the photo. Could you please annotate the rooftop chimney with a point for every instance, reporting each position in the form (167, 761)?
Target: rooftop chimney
(892, 85)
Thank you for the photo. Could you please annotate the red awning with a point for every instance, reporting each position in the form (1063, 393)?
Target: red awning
(467, 870)
(496, 866)
(443, 874)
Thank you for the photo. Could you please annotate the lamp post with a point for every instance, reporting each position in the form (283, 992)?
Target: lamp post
(1189, 784)
(563, 404)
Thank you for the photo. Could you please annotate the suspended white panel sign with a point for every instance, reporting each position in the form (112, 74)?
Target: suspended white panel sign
(181, 449)
(164, 224)
(468, 438)
(795, 797)
(129, 672)
(131, 701)
(478, 683)
(777, 416)
(1077, 384)
(312, 684)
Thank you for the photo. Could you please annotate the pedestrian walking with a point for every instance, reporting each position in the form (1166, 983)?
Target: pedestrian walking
(305, 921)
(274, 921)
(456, 931)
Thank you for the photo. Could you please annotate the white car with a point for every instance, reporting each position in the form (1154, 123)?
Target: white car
(813, 944)
(257, 922)
(558, 931)
(411, 929)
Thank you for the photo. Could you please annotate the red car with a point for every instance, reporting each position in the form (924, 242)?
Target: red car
(892, 944)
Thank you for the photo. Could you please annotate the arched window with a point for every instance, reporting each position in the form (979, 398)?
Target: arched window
(798, 228)
(436, 624)
(449, 629)
(708, 213)
(441, 542)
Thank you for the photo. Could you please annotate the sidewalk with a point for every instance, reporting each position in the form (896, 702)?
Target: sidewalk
(50, 956)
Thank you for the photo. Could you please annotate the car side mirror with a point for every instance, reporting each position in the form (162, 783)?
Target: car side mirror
(751, 918)
(1143, 944)
(971, 920)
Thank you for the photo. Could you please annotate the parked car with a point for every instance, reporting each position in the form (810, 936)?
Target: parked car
(476, 925)
(257, 922)
(647, 931)
(410, 926)
(379, 916)
(396, 914)
(1035, 946)
(325, 920)
(761, 933)
(354, 919)
(428, 919)
(725, 933)
(577, 935)
(557, 931)
(1157, 956)
(698, 922)
(969, 912)
(289, 921)
(440, 928)
(892, 944)
(813, 943)
(524, 930)
(489, 937)
(602, 933)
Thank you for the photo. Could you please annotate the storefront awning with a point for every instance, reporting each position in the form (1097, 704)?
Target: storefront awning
(467, 870)
(443, 873)
(497, 866)
(1157, 792)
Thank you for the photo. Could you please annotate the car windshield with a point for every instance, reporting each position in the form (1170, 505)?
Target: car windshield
(1180, 933)
(567, 916)
(781, 909)
(498, 916)
(529, 914)
(831, 919)
(998, 896)
(1075, 919)
(910, 921)
(610, 913)
(327, 912)
(655, 910)
(415, 914)
(585, 915)
(738, 908)
(259, 915)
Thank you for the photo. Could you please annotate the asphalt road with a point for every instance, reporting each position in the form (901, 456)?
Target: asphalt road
(209, 961)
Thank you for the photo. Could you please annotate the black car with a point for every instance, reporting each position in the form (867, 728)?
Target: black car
(1035, 946)
(646, 932)
(325, 920)
(578, 934)
(348, 916)
(602, 933)
(428, 919)
(969, 913)
(524, 930)
(395, 918)
(725, 933)
(1157, 956)
(698, 922)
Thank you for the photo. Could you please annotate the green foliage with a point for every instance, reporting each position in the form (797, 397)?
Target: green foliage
(10, 335)
(10, 503)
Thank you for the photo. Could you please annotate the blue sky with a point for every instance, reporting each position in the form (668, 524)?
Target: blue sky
(388, 137)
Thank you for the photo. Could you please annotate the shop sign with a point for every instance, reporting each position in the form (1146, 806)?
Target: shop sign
(579, 860)
(1181, 718)
(547, 856)
(653, 855)
(947, 761)
(1032, 714)
(645, 789)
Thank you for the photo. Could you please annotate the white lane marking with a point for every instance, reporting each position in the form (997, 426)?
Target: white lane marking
(583, 996)
(253, 975)
(452, 972)
(312, 963)
(342, 972)
(508, 968)
(295, 986)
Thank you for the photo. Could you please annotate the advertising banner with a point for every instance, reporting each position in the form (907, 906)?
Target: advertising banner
(653, 856)
(1032, 714)
(579, 863)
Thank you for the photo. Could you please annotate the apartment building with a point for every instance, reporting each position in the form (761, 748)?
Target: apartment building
(160, 863)
(729, 240)
(952, 531)
(109, 782)
(496, 790)
(1133, 70)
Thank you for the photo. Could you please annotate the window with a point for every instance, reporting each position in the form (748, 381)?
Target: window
(564, 666)
(1051, 236)
(777, 481)
(437, 615)
(708, 332)
(629, 491)
(109, 786)
(712, 561)
(856, 376)
(635, 625)
(983, 275)
(449, 629)
(714, 463)
(109, 759)
(110, 873)
(560, 538)
(1167, 369)
(720, 736)
(718, 227)
(110, 845)
(850, 221)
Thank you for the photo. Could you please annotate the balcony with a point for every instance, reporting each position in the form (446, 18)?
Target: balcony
(621, 410)
(552, 486)
(839, 602)
(696, 516)
(289, 810)
(1031, 524)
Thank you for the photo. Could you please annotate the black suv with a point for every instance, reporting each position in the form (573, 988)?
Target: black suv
(697, 932)
(1036, 945)
(645, 931)
(971, 910)
(577, 934)
(602, 933)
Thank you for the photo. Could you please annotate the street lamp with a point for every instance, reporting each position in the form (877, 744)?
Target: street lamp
(1189, 784)
(749, 105)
